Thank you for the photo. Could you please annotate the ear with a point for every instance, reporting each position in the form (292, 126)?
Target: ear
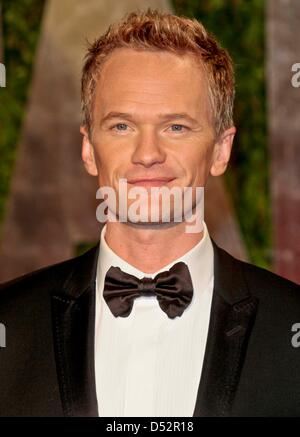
(222, 151)
(87, 153)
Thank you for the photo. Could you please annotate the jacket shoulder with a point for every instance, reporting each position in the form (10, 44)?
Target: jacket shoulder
(261, 279)
(274, 292)
(50, 278)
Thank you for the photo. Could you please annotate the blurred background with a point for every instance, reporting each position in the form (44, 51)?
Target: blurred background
(47, 202)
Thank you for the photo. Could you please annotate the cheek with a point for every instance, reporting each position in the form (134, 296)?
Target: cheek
(105, 156)
(111, 167)
(110, 148)
(198, 165)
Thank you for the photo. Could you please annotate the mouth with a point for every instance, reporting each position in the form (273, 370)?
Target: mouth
(150, 182)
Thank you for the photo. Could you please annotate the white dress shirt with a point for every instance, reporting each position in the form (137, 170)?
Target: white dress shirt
(147, 364)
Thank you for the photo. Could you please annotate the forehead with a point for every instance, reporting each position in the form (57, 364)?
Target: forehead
(151, 78)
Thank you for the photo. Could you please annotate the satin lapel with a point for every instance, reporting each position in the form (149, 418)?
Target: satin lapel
(73, 313)
(232, 316)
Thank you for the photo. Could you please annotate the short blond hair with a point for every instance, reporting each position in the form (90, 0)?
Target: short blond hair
(154, 30)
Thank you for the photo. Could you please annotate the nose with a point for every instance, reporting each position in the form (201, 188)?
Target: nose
(148, 151)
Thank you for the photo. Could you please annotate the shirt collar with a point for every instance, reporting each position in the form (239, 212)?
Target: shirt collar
(199, 259)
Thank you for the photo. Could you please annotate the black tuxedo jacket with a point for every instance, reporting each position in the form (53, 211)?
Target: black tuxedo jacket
(250, 368)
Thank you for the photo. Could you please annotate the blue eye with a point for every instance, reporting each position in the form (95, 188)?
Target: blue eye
(177, 127)
(121, 126)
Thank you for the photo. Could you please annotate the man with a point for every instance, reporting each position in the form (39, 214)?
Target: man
(154, 320)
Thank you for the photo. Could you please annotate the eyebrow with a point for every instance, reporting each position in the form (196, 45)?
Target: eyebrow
(171, 116)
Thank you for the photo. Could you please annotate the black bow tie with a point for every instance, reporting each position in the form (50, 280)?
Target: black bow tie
(173, 289)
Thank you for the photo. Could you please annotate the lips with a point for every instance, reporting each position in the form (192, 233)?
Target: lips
(150, 182)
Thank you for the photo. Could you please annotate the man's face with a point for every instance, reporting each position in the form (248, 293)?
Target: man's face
(152, 123)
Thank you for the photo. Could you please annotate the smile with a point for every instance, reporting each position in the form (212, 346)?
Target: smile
(148, 182)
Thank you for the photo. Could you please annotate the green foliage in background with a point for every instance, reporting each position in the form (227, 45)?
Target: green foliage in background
(239, 26)
(21, 21)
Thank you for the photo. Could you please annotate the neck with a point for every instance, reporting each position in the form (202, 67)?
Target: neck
(150, 248)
